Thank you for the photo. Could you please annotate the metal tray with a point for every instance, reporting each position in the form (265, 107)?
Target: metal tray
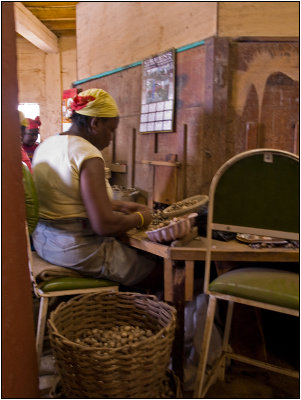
(248, 238)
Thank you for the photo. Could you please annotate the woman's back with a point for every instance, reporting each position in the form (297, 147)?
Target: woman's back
(56, 165)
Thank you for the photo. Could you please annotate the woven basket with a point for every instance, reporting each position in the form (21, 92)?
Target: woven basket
(171, 388)
(131, 371)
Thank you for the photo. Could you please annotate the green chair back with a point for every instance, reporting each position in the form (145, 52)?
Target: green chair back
(259, 189)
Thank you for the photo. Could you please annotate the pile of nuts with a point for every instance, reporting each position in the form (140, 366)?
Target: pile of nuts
(158, 221)
(162, 221)
(118, 336)
(113, 338)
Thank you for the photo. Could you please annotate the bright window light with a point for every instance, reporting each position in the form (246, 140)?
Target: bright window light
(30, 110)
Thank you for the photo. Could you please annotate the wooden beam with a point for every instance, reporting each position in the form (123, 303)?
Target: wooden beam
(60, 25)
(53, 13)
(28, 26)
(50, 4)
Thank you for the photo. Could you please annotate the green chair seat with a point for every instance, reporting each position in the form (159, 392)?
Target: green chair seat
(270, 286)
(72, 283)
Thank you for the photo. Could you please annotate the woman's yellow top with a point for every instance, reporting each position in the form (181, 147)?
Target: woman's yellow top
(56, 172)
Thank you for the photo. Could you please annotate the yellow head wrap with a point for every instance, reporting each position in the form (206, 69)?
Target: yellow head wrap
(23, 120)
(95, 103)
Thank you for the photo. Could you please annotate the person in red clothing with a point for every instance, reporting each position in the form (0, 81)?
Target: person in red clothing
(23, 125)
(30, 137)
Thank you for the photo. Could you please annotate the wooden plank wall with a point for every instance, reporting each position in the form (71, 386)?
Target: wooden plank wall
(258, 18)
(111, 34)
(125, 87)
(264, 95)
(43, 77)
(231, 95)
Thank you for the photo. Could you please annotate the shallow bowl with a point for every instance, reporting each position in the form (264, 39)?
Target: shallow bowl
(174, 211)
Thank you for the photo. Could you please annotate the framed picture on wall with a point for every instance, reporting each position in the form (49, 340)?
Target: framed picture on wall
(158, 93)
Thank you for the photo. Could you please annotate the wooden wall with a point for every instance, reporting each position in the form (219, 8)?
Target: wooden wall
(263, 95)
(114, 34)
(231, 95)
(42, 78)
(258, 18)
(125, 87)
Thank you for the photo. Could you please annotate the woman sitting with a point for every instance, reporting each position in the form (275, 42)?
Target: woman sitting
(79, 223)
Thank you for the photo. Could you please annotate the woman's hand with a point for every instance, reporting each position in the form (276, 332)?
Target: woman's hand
(127, 206)
(101, 211)
(147, 217)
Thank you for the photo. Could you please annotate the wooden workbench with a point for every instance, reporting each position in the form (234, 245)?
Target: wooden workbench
(179, 271)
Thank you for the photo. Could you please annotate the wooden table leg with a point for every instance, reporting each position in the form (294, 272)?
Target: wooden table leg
(178, 288)
(168, 280)
(179, 302)
(189, 280)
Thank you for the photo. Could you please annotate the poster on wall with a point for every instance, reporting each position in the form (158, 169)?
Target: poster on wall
(158, 93)
(66, 110)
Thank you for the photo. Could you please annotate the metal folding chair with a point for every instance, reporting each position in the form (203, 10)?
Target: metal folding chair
(255, 192)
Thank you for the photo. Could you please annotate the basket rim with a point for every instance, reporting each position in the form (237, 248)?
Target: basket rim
(203, 200)
(54, 331)
(107, 349)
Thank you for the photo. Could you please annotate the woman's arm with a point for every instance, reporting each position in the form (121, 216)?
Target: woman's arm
(103, 219)
(128, 206)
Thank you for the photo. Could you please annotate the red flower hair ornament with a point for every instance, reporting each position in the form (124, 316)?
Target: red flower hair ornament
(80, 102)
(34, 123)
(95, 103)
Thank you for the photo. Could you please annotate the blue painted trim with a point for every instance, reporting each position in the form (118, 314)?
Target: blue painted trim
(135, 64)
(113, 71)
(190, 46)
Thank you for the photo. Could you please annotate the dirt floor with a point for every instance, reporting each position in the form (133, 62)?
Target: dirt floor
(242, 382)
(245, 382)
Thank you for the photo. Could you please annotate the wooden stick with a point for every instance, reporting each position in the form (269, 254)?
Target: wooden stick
(133, 158)
(184, 161)
(162, 163)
